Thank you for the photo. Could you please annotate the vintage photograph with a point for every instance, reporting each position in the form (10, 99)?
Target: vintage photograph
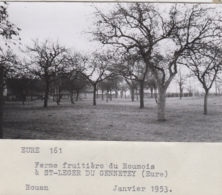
(111, 71)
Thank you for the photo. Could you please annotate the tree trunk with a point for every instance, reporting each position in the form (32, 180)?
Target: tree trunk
(23, 98)
(137, 94)
(181, 92)
(59, 97)
(102, 94)
(151, 90)
(94, 94)
(1, 101)
(46, 94)
(132, 94)
(71, 97)
(205, 102)
(110, 95)
(155, 94)
(161, 105)
(107, 96)
(141, 94)
(31, 95)
(77, 95)
(53, 96)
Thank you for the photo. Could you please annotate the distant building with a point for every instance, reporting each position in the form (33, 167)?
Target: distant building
(21, 89)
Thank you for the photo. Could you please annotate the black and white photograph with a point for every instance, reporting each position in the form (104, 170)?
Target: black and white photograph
(148, 72)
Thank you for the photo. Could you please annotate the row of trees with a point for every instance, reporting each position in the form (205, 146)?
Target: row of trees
(7, 59)
(158, 41)
(63, 69)
(143, 45)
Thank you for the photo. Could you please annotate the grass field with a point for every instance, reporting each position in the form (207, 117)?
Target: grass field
(119, 120)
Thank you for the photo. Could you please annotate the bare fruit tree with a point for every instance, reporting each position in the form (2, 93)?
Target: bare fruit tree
(97, 70)
(181, 80)
(7, 31)
(48, 61)
(158, 36)
(135, 71)
(205, 64)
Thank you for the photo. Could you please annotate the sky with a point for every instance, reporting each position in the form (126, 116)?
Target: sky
(67, 23)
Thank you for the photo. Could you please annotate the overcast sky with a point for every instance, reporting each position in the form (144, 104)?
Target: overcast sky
(65, 22)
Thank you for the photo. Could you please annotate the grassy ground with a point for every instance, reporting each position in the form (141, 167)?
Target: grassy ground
(120, 120)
